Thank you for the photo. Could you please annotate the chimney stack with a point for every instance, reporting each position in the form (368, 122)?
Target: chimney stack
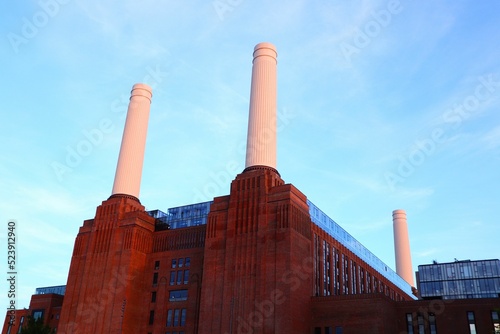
(402, 246)
(261, 140)
(130, 161)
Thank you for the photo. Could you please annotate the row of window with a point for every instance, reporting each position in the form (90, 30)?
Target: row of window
(21, 322)
(176, 317)
(329, 330)
(410, 324)
(336, 274)
(469, 288)
(428, 322)
(179, 277)
(182, 277)
(176, 263)
(459, 270)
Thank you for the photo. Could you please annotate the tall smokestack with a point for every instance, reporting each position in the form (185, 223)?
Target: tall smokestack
(261, 140)
(402, 246)
(129, 167)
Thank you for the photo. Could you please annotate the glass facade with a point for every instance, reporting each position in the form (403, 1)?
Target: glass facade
(58, 289)
(460, 280)
(182, 216)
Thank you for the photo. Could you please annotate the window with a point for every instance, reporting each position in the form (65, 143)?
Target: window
(21, 322)
(153, 297)
(177, 295)
(472, 322)
(179, 276)
(188, 261)
(151, 317)
(409, 323)
(339, 330)
(157, 265)
(432, 323)
(169, 318)
(186, 276)
(176, 318)
(172, 277)
(181, 262)
(183, 317)
(420, 322)
(496, 322)
(317, 330)
(328, 330)
(155, 278)
(37, 314)
(174, 263)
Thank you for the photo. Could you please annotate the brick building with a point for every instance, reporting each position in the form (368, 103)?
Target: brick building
(262, 259)
(46, 303)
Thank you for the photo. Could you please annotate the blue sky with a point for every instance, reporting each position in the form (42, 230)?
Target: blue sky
(382, 105)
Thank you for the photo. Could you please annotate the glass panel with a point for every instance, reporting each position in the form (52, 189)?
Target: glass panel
(37, 314)
(169, 318)
(183, 317)
(420, 321)
(432, 324)
(176, 318)
(178, 295)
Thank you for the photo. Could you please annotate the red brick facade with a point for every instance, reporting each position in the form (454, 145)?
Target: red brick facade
(252, 269)
(377, 314)
(259, 265)
(48, 306)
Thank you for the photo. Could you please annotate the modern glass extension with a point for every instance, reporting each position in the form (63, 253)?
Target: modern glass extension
(459, 279)
(182, 216)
